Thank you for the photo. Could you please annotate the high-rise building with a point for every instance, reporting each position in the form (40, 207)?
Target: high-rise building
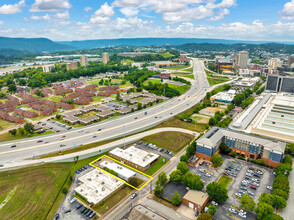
(48, 68)
(243, 59)
(290, 60)
(273, 64)
(278, 83)
(84, 60)
(105, 58)
(72, 66)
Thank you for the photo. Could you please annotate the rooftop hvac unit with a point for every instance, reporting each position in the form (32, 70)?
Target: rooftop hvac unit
(102, 182)
(103, 189)
(130, 155)
(143, 159)
(106, 162)
(96, 191)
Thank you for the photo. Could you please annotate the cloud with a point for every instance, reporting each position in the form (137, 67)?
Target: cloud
(12, 9)
(220, 15)
(64, 15)
(87, 9)
(103, 14)
(288, 11)
(46, 17)
(1, 22)
(50, 5)
(129, 11)
(128, 3)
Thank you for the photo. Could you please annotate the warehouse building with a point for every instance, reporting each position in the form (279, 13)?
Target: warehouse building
(251, 146)
(123, 172)
(135, 157)
(96, 186)
(223, 97)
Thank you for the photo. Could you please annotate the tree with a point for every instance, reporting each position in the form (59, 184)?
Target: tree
(217, 191)
(290, 149)
(212, 121)
(139, 105)
(212, 210)
(176, 199)
(132, 110)
(39, 93)
(13, 132)
(184, 158)
(158, 191)
(58, 117)
(29, 128)
(225, 149)
(117, 97)
(281, 182)
(190, 150)
(217, 160)
(20, 131)
(12, 88)
(279, 202)
(283, 169)
(266, 198)
(175, 176)
(162, 178)
(288, 159)
(192, 181)
(22, 82)
(280, 193)
(182, 166)
(263, 209)
(204, 216)
(133, 181)
(273, 216)
(247, 203)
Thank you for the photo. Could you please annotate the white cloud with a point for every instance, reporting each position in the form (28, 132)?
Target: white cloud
(227, 3)
(50, 5)
(12, 9)
(128, 3)
(1, 22)
(220, 15)
(87, 9)
(64, 15)
(103, 14)
(46, 17)
(129, 11)
(288, 11)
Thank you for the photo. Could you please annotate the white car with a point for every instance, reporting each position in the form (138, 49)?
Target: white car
(207, 174)
(269, 187)
(73, 200)
(214, 203)
(233, 210)
(239, 195)
(242, 215)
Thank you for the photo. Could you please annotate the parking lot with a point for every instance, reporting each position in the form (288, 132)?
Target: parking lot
(154, 149)
(70, 208)
(206, 172)
(173, 187)
(248, 178)
(55, 126)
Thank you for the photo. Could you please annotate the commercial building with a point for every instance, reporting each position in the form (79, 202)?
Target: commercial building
(135, 157)
(196, 200)
(84, 60)
(224, 97)
(251, 146)
(247, 82)
(280, 83)
(243, 59)
(276, 118)
(274, 64)
(48, 68)
(96, 186)
(105, 58)
(224, 66)
(123, 172)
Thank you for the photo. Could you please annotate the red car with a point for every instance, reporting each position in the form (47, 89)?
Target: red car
(253, 187)
(226, 174)
(58, 131)
(136, 118)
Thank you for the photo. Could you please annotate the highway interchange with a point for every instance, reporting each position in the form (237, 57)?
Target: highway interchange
(108, 129)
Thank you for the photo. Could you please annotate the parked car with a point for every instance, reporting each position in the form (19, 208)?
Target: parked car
(243, 188)
(226, 174)
(239, 195)
(234, 211)
(269, 187)
(253, 187)
(251, 193)
(56, 217)
(67, 211)
(79, 206)
(133, 195)
(73, 200)
(214, 203)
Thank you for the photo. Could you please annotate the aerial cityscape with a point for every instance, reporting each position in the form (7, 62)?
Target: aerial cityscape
(146, 110)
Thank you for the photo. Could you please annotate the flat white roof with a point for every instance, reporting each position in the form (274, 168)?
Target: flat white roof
(135, 155)
(225, 96)
(119, 169)
(97, 185)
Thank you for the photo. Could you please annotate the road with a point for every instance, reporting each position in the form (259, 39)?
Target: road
(118, 127)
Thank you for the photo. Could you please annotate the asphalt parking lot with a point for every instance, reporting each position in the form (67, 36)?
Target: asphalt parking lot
(153, 149)
(173, 187)
(66, 203)
(54, 126)
(266, 179)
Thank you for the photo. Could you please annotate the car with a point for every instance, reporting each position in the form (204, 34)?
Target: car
(255, 184)
(46, 142)
(245, 184)
(242, 211)
(241, 191)
(256, 180)
(1, 165)
(257, 175)
(89, 213)
(39, 141)
(234, 211)
(171, 113)
(259, 172)
(73, 200)
(201, 170)
(247, 177)
(242, 215)
(94, 136)
(197, 213)
(207, 164)
(198, 174)
(239, 195)
(57, 131)
(62, 145)
(269, 187)
(187, 188)
(251, 193)
(133, 195)
(67, 211)
(201, 163)
(12, 146)
(84, 210)
(77, 171)
(226, 174)
(214, 203)
(207, 174)
(92, 215)
(243, 188)
(253, 187)
(136, 118)
(56, 217)
(274, 173)
(79, 206)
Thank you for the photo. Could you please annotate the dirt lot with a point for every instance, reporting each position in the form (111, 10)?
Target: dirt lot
(210, 111)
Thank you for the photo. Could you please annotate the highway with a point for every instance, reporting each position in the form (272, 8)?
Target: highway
(108, 129)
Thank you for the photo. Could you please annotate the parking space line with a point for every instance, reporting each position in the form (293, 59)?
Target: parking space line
(232, 216)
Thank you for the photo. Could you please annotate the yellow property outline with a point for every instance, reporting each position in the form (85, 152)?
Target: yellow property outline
(116, 176)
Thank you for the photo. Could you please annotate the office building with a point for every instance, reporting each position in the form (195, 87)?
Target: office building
(135, 157)
(223, 97)
(48, 68)
(274, 64)
(122, 172)
(196, 200)
(105, 58)
(243, 59)
(84, 60)
(72, 66)
(279, 83)
(251, 146)
(290, 60)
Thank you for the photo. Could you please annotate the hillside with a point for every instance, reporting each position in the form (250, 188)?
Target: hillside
(32, 44)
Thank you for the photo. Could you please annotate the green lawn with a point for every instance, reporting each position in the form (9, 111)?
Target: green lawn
(9, 137)
(170, 140)
(5, 124)
(226, 180)
(55, 98)
(156, 166)
(166, 54)
(176, 67)
(181, 89)
(175, 122)
(151, 80)
(213, 81)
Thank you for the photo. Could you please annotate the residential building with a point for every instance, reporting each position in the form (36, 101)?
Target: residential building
(243, 59)
(105, 58)
(251, 146)
(84, 60)
(48, 68)
(71, 66)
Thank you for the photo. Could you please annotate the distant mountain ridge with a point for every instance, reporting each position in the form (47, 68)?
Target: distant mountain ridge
(32, 44)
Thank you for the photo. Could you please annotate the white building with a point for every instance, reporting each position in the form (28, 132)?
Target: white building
(105, 58)
(123, 172)
(96, 186)
(243, 59)
(48, 68)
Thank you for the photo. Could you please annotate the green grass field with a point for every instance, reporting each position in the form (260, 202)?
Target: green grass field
(176, 67)
(213, 81)
(145, 83)
(156, 166)
(181, 89)
(5, 124)
(170, 140)
(9, 137)
(226, 180)
(187, 75)
(166, 54)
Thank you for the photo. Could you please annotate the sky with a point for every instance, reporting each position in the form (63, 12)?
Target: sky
(66, 20)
